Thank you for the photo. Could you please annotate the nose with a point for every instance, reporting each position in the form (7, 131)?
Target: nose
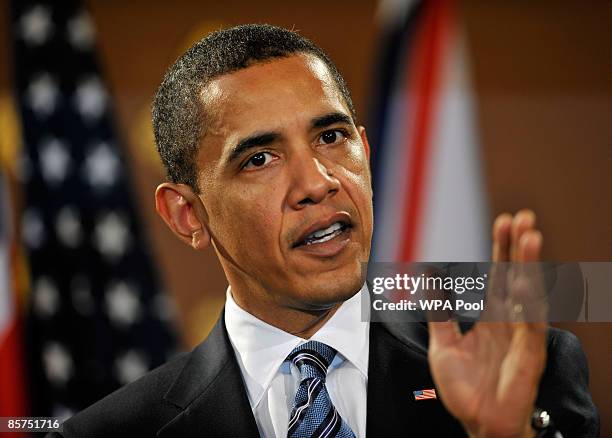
(312, 182)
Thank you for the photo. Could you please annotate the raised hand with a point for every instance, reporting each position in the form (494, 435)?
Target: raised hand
(488, 377)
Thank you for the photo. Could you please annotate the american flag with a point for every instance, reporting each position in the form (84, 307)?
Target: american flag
(97, 317)
(424, 394)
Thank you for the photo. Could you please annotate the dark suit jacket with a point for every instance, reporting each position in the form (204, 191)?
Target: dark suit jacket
(201, 394)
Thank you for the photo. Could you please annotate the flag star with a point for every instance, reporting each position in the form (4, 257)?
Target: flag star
(130, 366)
(36, 25)
(81, 32)
(82, 299)
(42, 95)
(90, 98)
(46, 297)
(32, 228)
(68, 227)
(101, 166)
(58, 363)
(54, 160)
(111, 235)
(122, 304)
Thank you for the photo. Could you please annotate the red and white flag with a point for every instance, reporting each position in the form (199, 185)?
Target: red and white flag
(430, 202)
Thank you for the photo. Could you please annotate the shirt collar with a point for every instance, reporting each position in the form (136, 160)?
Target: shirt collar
(262, 348)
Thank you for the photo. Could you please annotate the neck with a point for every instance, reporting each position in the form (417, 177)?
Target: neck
(311, 324)
(298, 322)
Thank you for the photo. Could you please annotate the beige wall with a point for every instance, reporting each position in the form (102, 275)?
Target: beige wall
(543, 75)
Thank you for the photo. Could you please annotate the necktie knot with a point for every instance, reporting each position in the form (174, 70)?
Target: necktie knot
(312, 359)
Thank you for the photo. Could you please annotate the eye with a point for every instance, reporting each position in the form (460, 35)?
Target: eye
(258, 160)
(332, 136)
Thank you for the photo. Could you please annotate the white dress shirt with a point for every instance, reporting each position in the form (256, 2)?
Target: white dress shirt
(272, 381)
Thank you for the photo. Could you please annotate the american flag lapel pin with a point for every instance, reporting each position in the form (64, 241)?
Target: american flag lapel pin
(424, 394)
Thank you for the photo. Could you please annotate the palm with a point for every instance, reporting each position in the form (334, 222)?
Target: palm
(488, 377)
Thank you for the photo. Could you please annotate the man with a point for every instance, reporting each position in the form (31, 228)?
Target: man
(267, 164)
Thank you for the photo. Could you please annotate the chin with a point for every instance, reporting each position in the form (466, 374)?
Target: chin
(328, 292)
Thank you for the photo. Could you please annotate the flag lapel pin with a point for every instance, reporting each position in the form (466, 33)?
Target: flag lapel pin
(424, 394)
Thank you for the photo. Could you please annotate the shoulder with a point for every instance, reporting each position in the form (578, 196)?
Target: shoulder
(164, 398)
(564, 388)
(564, 344)
(137, 409)
(566, 359)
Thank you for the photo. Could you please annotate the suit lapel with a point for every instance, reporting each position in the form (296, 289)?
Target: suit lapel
(214, 403)
(211, 393)
(398, 366)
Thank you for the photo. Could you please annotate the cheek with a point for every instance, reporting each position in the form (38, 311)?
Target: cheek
(358, 184)
(357, 169)
(248, 221)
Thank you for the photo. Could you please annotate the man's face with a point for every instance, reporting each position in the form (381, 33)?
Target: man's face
(285, 183)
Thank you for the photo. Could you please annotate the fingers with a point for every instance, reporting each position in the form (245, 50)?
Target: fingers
(530, 246)
(529, 343)
(528, 300)
(527, 347)
(443, 334)
(522, 222)
(525, 361)
(515, 238)
(501, 237)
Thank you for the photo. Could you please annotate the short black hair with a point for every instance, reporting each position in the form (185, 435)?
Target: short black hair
(178, 113)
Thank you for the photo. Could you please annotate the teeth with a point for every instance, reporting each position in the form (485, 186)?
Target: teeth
(333, 227)
(326, 234)
(323, 239)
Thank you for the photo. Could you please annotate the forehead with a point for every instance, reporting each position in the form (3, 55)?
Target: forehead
(271, 95)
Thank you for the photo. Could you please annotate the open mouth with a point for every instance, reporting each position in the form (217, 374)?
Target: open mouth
(324, 234)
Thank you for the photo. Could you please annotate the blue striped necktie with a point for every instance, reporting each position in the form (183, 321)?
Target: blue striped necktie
(313, 414)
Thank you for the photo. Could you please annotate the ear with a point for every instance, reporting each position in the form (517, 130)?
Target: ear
(178, 206)
(364, 140)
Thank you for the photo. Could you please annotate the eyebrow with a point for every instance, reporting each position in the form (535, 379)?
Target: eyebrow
(330, 119)
(252, 142)
(266, 138)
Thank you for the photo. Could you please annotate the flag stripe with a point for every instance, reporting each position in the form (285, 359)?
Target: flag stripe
(454, 218)
(13, 401)
(426, 86)
(425, 394)
(389, 133)
(428, 187)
